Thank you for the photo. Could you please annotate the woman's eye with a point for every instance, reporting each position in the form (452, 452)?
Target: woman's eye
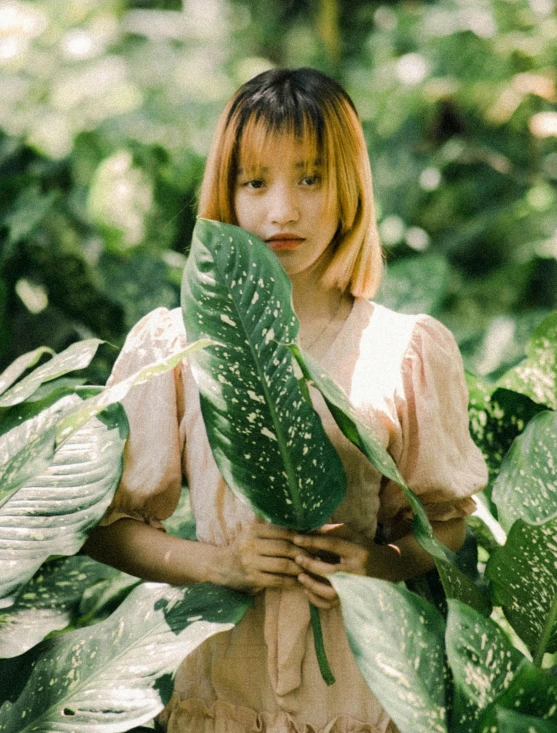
(254, 185)
(314, 180)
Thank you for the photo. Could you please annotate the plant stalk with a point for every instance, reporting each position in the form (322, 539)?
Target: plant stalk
(324, 668)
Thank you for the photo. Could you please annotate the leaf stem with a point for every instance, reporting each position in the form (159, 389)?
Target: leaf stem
(324, 668)
(546, 633)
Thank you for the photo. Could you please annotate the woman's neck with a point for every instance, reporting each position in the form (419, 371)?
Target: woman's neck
(321, 311)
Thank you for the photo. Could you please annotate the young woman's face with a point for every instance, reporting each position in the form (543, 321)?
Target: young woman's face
(284, 202)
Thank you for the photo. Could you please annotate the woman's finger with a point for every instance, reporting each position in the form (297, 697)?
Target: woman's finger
(322, 542)
(265, 530)
(320, 602)
(316, 566)
(279, 548)
(319, 590)
(278, 566)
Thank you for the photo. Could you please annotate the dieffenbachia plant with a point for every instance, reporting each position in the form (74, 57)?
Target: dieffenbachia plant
(266, 437)
(61, 450)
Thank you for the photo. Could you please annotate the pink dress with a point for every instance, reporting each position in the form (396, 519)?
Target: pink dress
(404, 375)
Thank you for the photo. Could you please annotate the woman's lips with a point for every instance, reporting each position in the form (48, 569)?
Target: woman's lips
(284, 242)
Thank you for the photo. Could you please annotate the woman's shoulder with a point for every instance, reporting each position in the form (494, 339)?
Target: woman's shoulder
(412, 331)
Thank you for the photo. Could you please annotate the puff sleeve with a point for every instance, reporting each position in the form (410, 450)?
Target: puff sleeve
(150, 486)
(433, 448)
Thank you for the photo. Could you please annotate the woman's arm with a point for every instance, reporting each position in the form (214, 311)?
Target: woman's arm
(262, 556)
(401, 560)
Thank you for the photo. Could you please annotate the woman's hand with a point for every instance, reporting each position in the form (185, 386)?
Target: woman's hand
(262, 556)
(325, 554)
(395, 562)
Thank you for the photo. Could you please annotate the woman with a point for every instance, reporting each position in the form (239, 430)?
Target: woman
(289, 164)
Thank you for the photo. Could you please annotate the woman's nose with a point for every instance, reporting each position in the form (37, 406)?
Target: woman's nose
(284, 206)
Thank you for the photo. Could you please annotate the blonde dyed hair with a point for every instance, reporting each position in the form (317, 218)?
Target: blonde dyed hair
(309, 107)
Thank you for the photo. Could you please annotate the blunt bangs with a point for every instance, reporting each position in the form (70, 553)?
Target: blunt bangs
(258, 135)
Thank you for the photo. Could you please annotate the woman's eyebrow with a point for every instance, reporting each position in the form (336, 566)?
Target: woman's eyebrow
(299, 165)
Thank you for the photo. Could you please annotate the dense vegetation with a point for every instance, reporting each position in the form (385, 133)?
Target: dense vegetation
(469, 649)
(106, 113)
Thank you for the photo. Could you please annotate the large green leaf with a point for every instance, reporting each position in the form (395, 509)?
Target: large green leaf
(536, 376)
(455, 583)
(53, 512)
(76, 356)
(21, 364)
(483, 663)
(267, 440)
(523, 576)
(397, 640)
(48, 602)
(526, 487)
(532, 693)
(117, 674)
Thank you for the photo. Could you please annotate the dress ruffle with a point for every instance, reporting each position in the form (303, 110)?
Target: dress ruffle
(187, 716)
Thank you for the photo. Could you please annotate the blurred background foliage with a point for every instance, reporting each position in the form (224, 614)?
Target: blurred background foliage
(106, 113)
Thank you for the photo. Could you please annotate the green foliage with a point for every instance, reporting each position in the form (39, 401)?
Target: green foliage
(63, 460)
(108, 113)
(83, 677)
(106, 116)
(492, 685)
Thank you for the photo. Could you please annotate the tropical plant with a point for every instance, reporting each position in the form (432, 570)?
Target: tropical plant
(452, 668)
(61, 450)
(467, 673)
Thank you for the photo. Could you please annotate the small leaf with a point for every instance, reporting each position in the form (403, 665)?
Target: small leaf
(182, 521)
(103, 597)
(21, 364)
(76, 356)
(523, 576)
(459, 586)
(526, 487)
(497, 417)
(482, 660)
(536, 376)
(397, 640)
(111, 676)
